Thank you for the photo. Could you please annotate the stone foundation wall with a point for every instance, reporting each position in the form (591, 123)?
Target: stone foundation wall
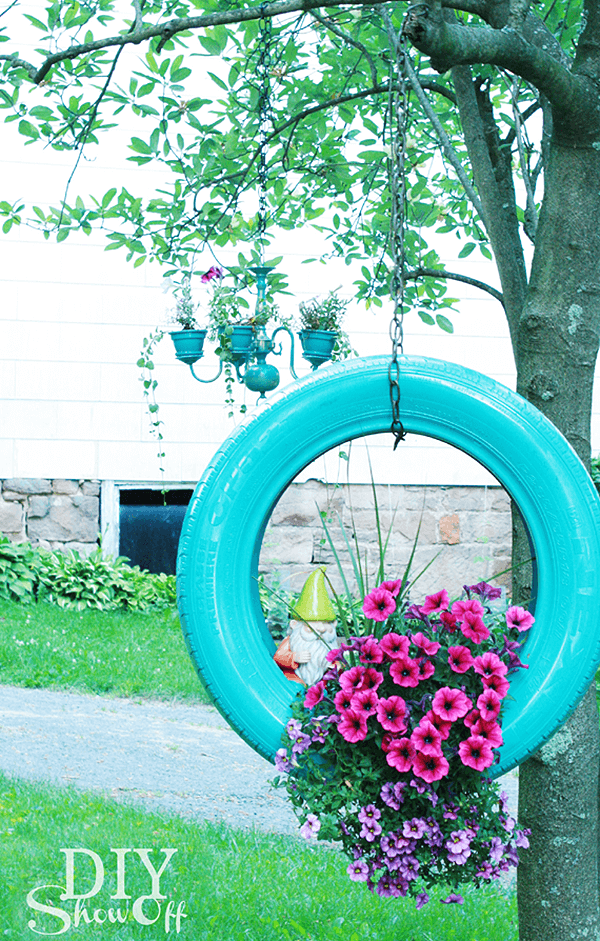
(465, 530)
(54, 514)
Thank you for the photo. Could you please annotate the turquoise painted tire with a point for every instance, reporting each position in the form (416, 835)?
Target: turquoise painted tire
(223, 530)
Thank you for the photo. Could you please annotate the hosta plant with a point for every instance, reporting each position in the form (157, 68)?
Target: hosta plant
(389, 752)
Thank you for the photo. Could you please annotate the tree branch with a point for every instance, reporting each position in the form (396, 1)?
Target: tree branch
(453, 276)
(166, 31)
(450, 44)
(329, 24)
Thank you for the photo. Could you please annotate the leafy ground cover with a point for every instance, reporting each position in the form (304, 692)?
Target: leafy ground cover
(121, 653)
(236, 885)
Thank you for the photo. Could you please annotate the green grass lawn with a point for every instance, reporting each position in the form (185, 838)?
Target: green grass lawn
(109, 653)
(235, 885)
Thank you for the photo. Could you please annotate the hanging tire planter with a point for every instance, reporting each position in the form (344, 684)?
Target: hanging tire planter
(223, 530)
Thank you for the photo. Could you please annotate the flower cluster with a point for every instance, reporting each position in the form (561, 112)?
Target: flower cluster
(387, 753)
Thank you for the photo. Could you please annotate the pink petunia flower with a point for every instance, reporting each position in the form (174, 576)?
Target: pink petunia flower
(213, 273)
(395, 645)
(489, 705)
(352, 678)
(499, 684)
(438, 723)
(426, 668)
(519, 618)
(393, 587)
(372, 679)
(344, 700)
(386, 742)
(451, 704)
(429, 647)
(405, 672)
(430, 767)
(401, 754)
(460, 608)
(391, 714)
(489, 663)
(435, 603)
(460, 658)
(353, 726)
(427, 739)
(379, 604)
(365, 702)
(490, 731)
(314, 695)
(370, 651)
(450, 621)
(473, 627)
(476, 752)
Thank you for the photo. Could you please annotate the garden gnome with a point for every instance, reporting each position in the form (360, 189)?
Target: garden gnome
(302, 655)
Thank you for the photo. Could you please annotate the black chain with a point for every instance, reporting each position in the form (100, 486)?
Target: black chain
(397, 121)
(263, 72)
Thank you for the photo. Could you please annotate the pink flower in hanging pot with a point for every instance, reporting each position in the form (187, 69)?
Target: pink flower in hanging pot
(430, 767)
(519, 618)
(436, 603)
(476, 752)
(379, 604)
(395, 645)
(451, 704)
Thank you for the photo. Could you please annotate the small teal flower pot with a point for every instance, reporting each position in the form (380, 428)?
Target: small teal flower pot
(317, 345)
(188, 345)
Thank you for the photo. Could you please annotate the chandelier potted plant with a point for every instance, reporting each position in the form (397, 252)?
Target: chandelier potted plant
(321, 333)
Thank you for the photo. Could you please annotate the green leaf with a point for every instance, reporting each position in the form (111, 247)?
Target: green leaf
(426, 318)
(444, 323)
(218, 81)
(62, 234)
(140, 146)
(28, 130)
(466, 249)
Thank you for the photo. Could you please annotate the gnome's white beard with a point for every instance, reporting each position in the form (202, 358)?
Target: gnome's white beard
(304, 639)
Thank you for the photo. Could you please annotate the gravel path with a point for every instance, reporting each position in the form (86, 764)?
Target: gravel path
(185, 759)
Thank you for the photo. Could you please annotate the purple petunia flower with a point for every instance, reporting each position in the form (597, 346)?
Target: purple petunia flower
(310, 827)
(453, 899)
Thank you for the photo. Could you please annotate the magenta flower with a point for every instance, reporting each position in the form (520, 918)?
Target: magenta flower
(460, 608)
(442, 727)
(405, 672)
(489, 705)
(429, 647)
(486, 592)
(427, 739)
(451, 704)
(395, 645)
(353, 726)
(391, 714)
(489, 664)
(453, 899)
(476, 752)
(499, 684)
(473, 627)
(352, 679)
(430, 767)
(372, 679)
(393, 587)
(344, 700)
(379, 604)
(401, 754)
(365, 702)
(426, 668)
(519, 618)
(450, 621)
(370, 651)
(314, 695)
(387, 740)
(435, 603)
(490, 731)
(460, 658)
(213, 273)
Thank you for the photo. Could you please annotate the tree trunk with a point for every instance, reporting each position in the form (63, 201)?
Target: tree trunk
(556, 351)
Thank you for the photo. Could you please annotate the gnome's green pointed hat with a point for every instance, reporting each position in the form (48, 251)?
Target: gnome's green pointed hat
(313, 603)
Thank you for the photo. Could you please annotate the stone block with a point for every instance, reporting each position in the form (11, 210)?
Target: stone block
(87, 506)
(11, 495)
(65, 486)
(38, 506)
(11, 518)
(91, 488)
(66, 522)
(291, 545)
(27, 485)
(450, 529)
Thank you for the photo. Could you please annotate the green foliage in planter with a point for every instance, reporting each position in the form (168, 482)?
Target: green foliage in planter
(18, 571)
(323, 314)
(596, 471)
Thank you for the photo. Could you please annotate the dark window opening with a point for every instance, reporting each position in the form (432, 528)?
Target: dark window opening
(150, 526)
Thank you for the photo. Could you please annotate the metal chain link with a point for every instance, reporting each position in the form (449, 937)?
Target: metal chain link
(397, 123)
(263, 71)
